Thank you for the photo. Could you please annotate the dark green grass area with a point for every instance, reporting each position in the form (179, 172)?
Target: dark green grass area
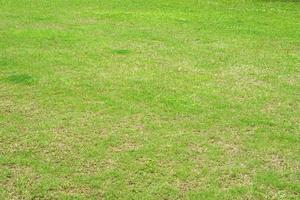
(157, 99)
(19, 78)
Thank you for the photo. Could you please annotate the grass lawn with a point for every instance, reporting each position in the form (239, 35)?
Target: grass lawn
(149, 99)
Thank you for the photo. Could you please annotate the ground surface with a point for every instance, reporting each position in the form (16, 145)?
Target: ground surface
(155, 99)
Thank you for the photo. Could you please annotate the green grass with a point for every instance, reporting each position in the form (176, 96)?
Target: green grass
(149, 99)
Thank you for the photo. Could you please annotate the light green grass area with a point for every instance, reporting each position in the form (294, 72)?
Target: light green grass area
(149, 99)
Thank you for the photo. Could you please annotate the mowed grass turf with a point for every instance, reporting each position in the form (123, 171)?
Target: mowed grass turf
(156, 99)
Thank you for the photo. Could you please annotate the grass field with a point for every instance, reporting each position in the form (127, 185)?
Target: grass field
(149, 99)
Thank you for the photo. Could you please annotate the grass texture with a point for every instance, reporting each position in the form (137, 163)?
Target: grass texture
(149, 99)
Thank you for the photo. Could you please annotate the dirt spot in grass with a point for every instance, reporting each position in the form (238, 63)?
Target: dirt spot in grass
(125, 147)
(6, 105)
(229, 148)
(277, 162)
(185, 186)
(235, 180)
(77, 191)
(133, 122)
(290, 79)
(243, 77)
(270, 107)
(93, 167)
(18, 175)
(20, 79)
(197, 148)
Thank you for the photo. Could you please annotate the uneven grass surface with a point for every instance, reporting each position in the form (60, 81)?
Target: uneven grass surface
(149, 99)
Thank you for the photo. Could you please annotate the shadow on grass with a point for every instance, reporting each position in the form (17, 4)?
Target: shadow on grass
(121, 51)
(20, 79)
